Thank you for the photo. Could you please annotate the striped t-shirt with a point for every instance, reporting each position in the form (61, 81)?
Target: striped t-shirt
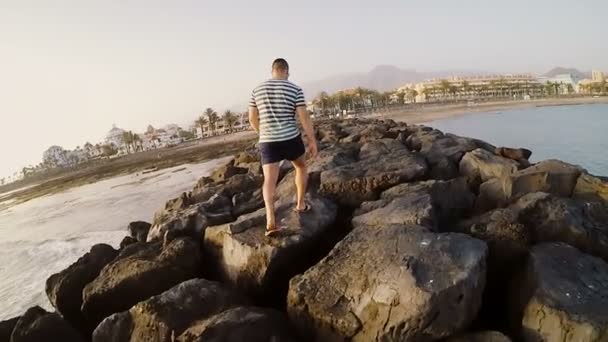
(276, 101)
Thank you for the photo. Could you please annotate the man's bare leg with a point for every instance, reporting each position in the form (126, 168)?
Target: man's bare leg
(271, 175)
(301, 181)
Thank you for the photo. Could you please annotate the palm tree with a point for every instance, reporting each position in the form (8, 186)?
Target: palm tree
(323, 100)
(137, 142)
(445, 87)
(213, 118)
(127, 139)
(229, 120)
(412, 93)
(549, 88)
(570, 88)
(466, 87)
(201, 122)
(401, 97)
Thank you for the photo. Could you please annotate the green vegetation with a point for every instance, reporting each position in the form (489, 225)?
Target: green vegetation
(230, 120)
(186, 135)
(212, 118)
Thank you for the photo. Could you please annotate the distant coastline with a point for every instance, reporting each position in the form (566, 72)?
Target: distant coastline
(187, 153)
(434, 112)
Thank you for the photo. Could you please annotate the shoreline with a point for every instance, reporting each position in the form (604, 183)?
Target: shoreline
(187, 153)
(436, 112)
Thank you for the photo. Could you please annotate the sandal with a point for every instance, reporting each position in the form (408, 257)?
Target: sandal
(305, 210)
(273, 231)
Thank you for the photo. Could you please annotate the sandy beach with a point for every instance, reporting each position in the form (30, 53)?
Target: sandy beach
(434, 112)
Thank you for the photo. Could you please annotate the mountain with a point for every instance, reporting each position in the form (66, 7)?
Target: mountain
(561, 70)
(382, 78)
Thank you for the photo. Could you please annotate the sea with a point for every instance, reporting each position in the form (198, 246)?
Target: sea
(45, 235)
(575, 134)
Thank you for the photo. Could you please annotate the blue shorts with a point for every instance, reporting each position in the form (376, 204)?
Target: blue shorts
(276, 151)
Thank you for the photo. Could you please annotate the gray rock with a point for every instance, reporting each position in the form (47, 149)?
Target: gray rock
(561, 296)
(480, 165)
(127, 241)
(190, 221)
(139, 230)
(429, 203)
(240, 324)
(6, 328)
(139, 273)
(329, 132)
(64, 289)
(591, 188)
(37, 325)
(227, 171)
(246, 259)
(165, 316)
(380, 167)
(517, 154)
(246, 157)
(247, 202)
(551, 176)
(579, 224)
(391, 283)
(508, 239)
(412, 208)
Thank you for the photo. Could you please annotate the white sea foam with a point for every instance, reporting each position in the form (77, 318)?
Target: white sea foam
(47, 234)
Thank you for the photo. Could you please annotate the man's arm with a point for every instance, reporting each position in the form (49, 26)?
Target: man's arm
(254, 119)
(308, 129)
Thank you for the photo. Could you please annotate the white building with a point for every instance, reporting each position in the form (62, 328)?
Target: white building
(56, 156)
(114, 136)
(597, 76)
(568, 82)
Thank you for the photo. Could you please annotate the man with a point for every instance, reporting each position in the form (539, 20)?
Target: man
(273, 108)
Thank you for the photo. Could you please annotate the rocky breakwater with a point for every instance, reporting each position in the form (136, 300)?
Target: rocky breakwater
(414, 235)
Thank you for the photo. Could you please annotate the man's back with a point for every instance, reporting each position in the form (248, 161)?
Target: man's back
(276, 101)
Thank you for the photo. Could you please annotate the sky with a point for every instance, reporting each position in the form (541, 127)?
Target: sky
(71, 69)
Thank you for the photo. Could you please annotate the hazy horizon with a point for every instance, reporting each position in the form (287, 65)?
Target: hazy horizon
(70, 70)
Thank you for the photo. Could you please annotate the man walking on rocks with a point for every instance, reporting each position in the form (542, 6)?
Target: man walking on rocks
(273, 108)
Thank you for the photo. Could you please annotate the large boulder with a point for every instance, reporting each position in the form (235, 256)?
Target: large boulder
(247, 157)
(561, 296)
(443, 152)
(165, 316)
(240, 324)
(329, 132)
(6, 328)
(227, 171)
(429, 203)
(391, 283)
(64, 289)
(37, 325)
(508, 239)
(480, 165)
(247, 202)
(551, 176)
(591, 188)
(517, 154)
(246, 259)
(139, 230)
(192, 220)
(411, 208)
(139, 272)
(207, 188)
(580, 224)
(381, 165)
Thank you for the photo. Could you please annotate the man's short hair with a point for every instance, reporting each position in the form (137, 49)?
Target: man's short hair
(280, 64)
